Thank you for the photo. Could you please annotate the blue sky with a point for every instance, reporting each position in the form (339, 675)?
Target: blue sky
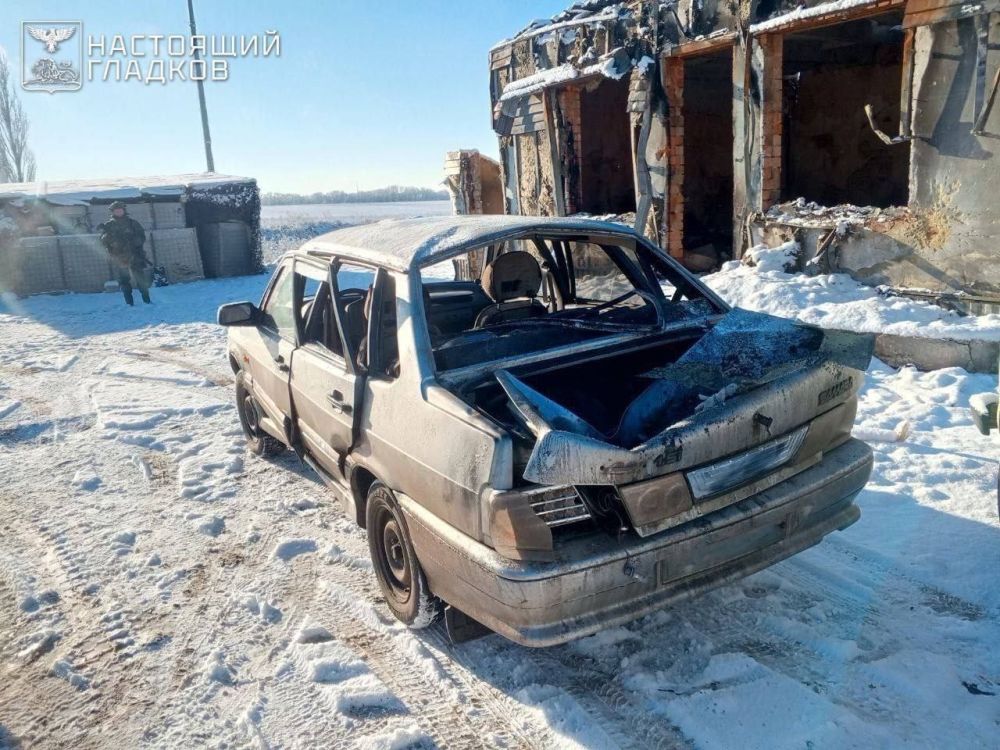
(363, 95)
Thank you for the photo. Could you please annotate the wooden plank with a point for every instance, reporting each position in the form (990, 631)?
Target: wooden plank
(834, 17)
(702, 46)
(557, 177)
(921, 6)
(500, 58)
(922, 13)
(525, 127)
(906, 91)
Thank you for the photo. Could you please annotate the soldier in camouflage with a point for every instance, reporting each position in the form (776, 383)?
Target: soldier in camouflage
(123, 237)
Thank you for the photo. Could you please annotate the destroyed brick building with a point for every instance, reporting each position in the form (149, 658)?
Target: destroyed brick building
(866, 129)
(197, 226)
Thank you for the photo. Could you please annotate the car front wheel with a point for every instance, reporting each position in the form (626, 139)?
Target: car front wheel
(258, 441)
(397, 569)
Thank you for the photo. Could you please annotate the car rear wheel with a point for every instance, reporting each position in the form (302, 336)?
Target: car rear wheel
(258, 441)
(397, 569)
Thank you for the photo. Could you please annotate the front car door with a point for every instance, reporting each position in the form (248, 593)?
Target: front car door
(326, 378)
(269, 347)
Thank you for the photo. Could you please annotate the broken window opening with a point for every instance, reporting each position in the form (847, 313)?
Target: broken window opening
(607, 184)
(831, 154)
(708, 156)
(546, 292)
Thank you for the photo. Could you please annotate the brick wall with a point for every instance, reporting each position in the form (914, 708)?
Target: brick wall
(673, 84)
(771, 115)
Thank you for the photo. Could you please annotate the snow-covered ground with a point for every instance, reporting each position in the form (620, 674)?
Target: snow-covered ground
(838, 301)
(160, 586)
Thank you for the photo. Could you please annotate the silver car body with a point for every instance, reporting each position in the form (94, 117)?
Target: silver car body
(452, 466)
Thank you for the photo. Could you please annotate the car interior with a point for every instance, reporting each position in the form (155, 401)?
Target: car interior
(536, 293)
(532, 294)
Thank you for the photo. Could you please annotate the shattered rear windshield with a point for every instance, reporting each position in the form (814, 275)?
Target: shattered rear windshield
(532, 294)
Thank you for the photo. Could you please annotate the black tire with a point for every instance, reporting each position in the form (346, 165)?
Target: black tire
(258, 441)
(397, 569)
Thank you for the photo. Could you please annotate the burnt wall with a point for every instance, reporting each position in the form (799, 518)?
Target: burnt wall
(955, 174)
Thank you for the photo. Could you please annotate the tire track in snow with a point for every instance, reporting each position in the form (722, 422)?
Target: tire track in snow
(427, 682)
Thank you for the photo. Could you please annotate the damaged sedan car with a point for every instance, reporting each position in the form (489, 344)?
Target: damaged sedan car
(546, 426)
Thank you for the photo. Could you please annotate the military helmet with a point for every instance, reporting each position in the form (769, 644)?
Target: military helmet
(118, 204)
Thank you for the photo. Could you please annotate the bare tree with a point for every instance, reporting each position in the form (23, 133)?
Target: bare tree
(17, 161)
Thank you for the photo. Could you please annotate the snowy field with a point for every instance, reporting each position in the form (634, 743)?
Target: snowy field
(161, 587)
(284, 228)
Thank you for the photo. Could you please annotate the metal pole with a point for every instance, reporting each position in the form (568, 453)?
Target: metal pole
(209, 159)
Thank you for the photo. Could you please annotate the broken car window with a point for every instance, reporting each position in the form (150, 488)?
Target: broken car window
(352, 297)
(315, 322)
(598, 278)
(444, 271)
(539, 293)
(279, 312)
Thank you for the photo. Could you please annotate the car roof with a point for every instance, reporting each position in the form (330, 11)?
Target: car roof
(406, 245)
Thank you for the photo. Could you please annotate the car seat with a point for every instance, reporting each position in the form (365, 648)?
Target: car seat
(512, 281)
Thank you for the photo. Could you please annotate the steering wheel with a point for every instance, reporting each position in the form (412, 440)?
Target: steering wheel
(621, 298)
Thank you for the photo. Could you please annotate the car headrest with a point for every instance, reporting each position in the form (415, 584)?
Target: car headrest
(512, 275)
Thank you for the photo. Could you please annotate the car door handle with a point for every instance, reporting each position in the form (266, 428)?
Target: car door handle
(336, 400)
(280, 362)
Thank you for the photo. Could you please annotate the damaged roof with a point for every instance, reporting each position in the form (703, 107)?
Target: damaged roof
(408, 244)
(589, 40)
(583, 11)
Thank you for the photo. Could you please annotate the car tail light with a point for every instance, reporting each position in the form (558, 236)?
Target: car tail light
(744, 467)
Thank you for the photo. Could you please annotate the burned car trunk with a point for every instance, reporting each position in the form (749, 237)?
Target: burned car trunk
(651, 436)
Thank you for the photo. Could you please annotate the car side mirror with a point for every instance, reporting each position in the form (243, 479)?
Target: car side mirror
(238, 314)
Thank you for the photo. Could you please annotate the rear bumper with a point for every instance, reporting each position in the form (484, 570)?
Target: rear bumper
(597, 582)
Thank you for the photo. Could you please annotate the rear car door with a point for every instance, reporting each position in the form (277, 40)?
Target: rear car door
(326, 379)
(270, 348)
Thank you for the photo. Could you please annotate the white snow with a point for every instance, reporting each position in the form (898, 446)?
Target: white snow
(983, 401)
(7, 406)
(86, 479)
(560, 74)
(272, 632)
(63, 669)
(802, 13)
(838, 301)
(407, 736)
(768, 259)
(290, 548)
(546, 26)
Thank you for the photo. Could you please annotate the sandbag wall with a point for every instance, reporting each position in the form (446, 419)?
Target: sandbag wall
(69, 255)
(79, 262)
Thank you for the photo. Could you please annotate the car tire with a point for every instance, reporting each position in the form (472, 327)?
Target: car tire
(397, 569)
(258, 441)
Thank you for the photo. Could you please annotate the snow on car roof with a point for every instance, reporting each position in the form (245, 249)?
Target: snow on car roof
(408, 244)
(75, 192)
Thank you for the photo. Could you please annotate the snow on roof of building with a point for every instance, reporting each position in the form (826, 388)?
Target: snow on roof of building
(581, 12)
(562, 74)
(408, 244)
(74, 192)
(802, 13)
